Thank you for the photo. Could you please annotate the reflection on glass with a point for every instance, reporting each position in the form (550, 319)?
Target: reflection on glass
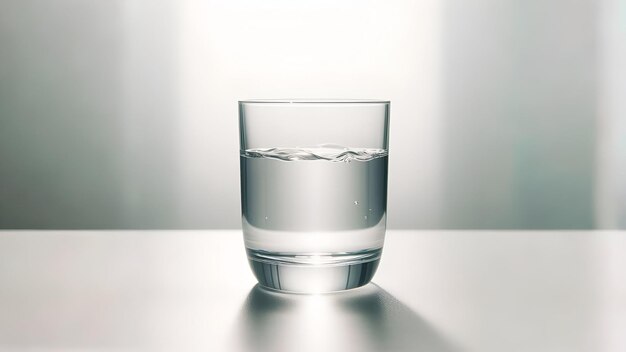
(365, 319)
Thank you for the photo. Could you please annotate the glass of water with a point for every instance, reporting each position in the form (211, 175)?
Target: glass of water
(314, 191)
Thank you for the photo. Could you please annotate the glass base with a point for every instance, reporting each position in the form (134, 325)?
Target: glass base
(313, 273)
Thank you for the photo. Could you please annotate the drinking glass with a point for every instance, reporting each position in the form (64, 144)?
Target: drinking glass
(313, 191)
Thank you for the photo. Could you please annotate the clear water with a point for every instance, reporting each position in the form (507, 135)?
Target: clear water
(314, 204)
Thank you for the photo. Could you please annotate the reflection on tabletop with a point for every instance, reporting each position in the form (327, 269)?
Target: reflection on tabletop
(364, 319)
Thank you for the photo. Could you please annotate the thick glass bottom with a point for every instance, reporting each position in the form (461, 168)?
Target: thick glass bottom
(314, 273)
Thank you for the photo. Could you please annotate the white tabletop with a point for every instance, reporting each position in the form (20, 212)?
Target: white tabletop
(193, 291)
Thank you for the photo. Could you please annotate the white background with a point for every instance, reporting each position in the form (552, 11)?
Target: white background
(123, 114)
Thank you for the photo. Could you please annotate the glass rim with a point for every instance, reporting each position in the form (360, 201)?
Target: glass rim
(314, 101)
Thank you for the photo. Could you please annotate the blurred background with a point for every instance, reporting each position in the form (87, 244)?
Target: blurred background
(506, 114)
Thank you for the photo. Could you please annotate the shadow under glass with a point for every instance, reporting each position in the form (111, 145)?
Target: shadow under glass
(364, 319)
